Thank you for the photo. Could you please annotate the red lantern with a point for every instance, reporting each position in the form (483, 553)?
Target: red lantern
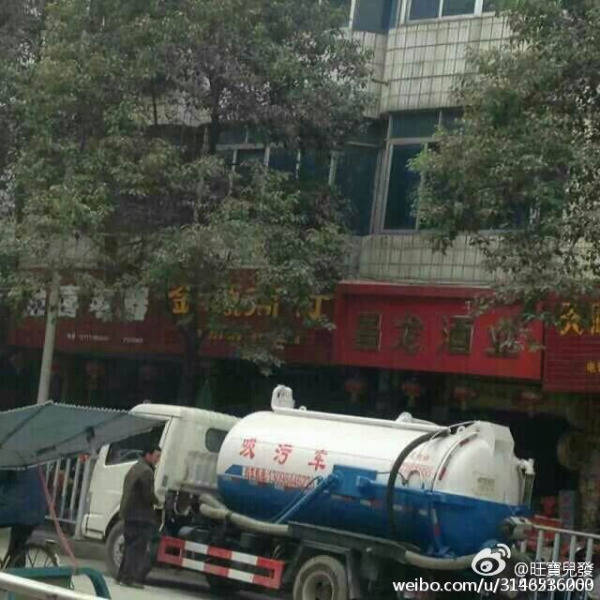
(355, 385)
(462, 394)
(413, 390)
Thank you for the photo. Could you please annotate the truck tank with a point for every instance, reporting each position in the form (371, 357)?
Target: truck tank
(450, 496)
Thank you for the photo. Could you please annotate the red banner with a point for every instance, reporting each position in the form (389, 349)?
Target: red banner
(572, 356)
(149, 330)
(422, 328)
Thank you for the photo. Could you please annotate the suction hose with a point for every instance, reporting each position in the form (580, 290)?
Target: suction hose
(212, 508)
(440, 564)
(414, 558)
(391, 484)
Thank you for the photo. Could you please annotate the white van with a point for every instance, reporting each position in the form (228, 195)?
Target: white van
(190, 439)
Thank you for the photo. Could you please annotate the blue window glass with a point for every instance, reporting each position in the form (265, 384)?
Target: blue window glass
(419, 123)
(314, 166)
(355, 178)
(424, 9)
(373, 15)
(282, 159)
(232, 135)
(402, 188)
(458, 7)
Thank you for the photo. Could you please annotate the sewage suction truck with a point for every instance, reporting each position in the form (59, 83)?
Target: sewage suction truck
(337, 507)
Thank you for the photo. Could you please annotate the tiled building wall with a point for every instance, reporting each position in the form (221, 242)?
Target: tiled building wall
(408, 257)
(375, 43)
(423, 59)
(419, 67)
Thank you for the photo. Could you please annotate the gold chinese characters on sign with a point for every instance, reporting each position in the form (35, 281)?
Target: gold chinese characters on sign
(367, 335)
(245, 304)
(180, 300)
(457, 334)
(572, 323)
(592, 367)
(410, 329)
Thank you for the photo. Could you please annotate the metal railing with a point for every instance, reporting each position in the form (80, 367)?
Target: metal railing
(554, 545)
(29, 588)
(68, 482)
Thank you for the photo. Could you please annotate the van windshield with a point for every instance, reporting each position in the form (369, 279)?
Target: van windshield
(130, 449)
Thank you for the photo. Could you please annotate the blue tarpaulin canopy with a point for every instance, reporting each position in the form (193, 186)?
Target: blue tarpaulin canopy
(33, 435)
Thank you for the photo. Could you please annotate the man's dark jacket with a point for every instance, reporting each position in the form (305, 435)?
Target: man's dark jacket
(138, 500)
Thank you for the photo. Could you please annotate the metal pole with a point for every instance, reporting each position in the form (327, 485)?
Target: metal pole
(85, 488)
(75, 488)
(49, 338)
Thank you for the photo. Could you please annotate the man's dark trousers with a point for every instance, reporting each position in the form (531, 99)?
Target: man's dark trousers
(136, 554)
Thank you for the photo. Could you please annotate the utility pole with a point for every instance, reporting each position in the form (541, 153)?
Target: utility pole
(49, 338)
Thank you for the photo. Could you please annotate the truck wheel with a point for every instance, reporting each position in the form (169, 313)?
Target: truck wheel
(115, 544)
(321, 578)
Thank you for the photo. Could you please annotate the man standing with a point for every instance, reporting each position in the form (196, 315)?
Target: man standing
(139, 517)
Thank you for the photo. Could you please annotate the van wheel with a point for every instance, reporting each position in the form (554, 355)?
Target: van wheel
(321, 578)
(114, 547)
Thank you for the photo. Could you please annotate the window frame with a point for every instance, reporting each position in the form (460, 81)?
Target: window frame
(213, 430)
(165, 423)
(395, 9)
(381, 157)
(407, 4)
(384, 180)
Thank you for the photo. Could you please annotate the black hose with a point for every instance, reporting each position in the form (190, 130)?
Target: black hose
(391, 484)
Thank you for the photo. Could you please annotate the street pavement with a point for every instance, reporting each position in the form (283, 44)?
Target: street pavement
(161, 584)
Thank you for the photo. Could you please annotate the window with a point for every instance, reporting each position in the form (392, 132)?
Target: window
(450, 8)
(402, 187)
(244, 160)
(432, 9)
(415, 124)
(410, 132)
(248, 156)
(232, 135)
(282, 159)
(490, 6)
(314, 166)
(131, 448)
(424, 9)
(373, 15)
(355, 177)
(343, 7)
(214, 438)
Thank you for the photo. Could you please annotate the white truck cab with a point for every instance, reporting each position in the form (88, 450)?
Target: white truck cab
(190, 439)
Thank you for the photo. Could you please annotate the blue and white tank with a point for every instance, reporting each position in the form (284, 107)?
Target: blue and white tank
(452, 493)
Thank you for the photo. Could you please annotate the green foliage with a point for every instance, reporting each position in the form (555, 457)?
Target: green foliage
(520, 174)
(113, 178)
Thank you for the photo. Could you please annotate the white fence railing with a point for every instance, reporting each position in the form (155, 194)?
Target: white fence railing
(68, 482)
(554, 545)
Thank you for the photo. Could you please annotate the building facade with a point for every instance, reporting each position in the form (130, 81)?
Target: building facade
(405, 337)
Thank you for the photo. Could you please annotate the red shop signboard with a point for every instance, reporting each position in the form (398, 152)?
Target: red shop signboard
(147, 329)
(572, 356)
(422, 328)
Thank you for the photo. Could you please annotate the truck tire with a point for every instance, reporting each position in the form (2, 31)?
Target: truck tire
(321, 578)
(115, 543)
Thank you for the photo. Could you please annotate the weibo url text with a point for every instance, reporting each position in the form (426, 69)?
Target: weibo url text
(494, 586)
